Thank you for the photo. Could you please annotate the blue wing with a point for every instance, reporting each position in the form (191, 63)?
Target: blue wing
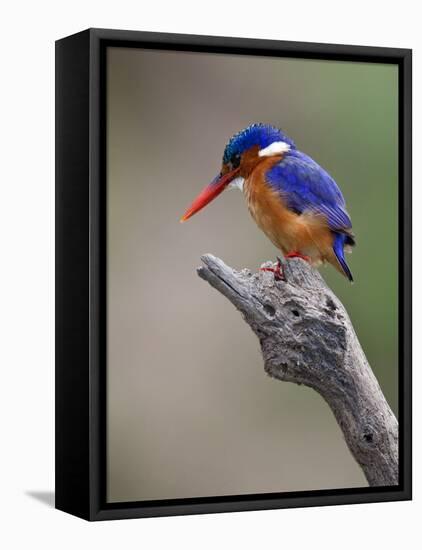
(306, 187)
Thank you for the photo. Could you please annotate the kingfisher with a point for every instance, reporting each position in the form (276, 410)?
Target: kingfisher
(294, 201)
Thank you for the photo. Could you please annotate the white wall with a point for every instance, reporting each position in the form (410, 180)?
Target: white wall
(26, 300)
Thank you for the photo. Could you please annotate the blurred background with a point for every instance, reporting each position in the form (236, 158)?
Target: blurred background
(190, 409)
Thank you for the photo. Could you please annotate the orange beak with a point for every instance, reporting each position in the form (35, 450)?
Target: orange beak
(209, 193)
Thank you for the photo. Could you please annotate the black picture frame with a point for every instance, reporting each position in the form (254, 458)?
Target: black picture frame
(81, 273)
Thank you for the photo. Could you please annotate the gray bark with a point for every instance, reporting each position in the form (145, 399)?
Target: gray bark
(307, 337)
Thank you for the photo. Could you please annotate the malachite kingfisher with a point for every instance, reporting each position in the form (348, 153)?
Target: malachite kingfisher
(294, 201)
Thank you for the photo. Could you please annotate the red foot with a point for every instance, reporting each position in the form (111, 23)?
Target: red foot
(295, 254)
(277, 270)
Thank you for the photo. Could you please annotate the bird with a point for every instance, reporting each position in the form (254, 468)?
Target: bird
(292, 199)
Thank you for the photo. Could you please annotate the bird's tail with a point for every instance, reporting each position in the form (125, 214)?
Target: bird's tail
(340, 241)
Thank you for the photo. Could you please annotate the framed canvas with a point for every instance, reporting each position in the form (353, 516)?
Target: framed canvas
(166, 402)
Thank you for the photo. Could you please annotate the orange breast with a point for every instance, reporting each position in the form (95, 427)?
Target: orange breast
(306, 233)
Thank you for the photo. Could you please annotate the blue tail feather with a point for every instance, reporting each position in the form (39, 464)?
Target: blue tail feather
(339, 241)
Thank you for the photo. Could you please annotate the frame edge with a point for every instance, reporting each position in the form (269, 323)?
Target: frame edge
(72, 293)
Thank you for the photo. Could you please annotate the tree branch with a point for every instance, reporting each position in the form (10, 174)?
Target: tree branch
(307, 337)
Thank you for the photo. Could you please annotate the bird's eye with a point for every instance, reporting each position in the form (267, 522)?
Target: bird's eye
(235, 161)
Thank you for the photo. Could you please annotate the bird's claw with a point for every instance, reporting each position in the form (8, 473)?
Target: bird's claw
(277, 270)
(295, 254)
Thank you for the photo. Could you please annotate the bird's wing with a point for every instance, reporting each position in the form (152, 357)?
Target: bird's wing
(306, 187)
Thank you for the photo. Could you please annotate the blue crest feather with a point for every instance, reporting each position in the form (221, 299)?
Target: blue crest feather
(255, 134)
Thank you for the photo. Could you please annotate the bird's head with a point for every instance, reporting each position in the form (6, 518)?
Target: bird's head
(242, 153)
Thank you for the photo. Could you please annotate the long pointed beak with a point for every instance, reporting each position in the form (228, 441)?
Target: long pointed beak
(209, 193)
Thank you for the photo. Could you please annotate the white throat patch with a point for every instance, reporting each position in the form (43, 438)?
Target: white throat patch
(275, 148)
(237, 183)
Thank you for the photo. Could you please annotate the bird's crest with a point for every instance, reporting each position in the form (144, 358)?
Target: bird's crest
(255, 134)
